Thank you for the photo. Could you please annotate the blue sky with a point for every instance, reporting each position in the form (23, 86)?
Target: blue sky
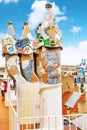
(71, 17)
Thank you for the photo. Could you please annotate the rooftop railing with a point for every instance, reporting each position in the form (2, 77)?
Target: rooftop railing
(35, 122)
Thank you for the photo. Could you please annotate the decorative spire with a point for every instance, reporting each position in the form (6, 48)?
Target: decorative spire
(48, 6)
(10, 30)
(47, 33)
(26, 30)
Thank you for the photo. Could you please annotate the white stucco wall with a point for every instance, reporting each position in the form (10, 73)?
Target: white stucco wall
(51, 106)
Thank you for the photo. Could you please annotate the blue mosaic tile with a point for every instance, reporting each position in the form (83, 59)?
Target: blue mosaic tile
(27, 71)
(20, 44)
(54, 81)
(52, 74)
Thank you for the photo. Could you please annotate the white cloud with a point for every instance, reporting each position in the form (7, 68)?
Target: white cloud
(62, 18)
(73, 55)
(8, 1)
(36, 16)
(56, 9)
(38, 13)
(2, 35)
(75, 29)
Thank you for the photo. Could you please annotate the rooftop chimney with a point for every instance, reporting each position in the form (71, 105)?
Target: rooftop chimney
(10, 30)
(26, 29)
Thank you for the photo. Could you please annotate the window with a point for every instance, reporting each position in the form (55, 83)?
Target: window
(1, 76)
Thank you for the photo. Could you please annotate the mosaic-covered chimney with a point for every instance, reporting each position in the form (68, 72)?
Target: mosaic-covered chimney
(19, 53)
(48, 46)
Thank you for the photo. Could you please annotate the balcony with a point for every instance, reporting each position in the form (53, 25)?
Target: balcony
(69, 122)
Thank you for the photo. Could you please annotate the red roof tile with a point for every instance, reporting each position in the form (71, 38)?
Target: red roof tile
(75, 108)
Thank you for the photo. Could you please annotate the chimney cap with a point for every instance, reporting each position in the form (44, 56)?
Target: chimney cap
(10, 22)
(25, 23)
(48, 6)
